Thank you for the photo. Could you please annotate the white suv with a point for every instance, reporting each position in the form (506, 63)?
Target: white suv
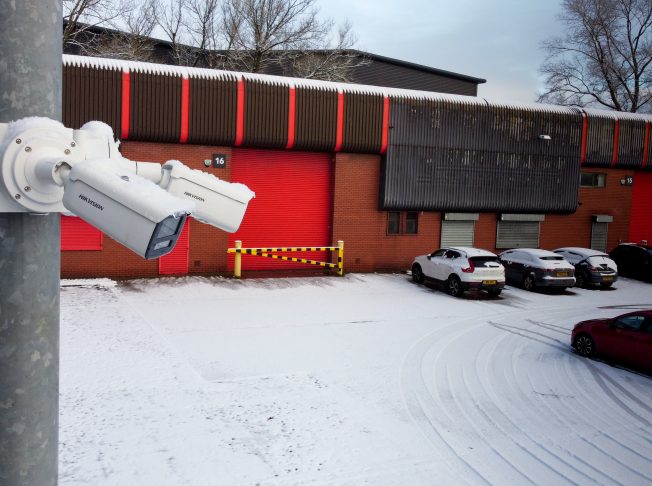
(460, 269)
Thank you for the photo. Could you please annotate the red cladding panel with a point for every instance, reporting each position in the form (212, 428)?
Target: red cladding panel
(185, 109)
(641, 220)
(126, 104)
(77, 234)
(292, 206)
(176, 262)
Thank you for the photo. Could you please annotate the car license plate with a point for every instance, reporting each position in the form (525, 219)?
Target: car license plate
(489, 282)
(607, 279)
(562, 274)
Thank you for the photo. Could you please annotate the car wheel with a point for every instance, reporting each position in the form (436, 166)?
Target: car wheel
(454, 286)
(606, 285)
(417, 273)
(580, 281)
(528, 282)
(584, 345)
(494, 292)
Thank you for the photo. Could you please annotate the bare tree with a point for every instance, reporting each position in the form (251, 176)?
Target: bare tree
(261, 32)
(133, 41)
(203, 30)
(80, 16)
(604, 58)
(172, 19)
(333, 63)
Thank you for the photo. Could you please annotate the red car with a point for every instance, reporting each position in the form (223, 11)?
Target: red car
(625, 339)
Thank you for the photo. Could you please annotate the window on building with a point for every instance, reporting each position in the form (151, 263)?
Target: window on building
(411, 222)
(393, 222)
(406, 223)
(592, 179)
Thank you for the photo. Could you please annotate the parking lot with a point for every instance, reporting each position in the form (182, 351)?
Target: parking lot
(362, 379)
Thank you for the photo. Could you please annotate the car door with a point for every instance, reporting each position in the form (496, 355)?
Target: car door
(644, 347)
(447, 265)
(623, 339)
(433, 264)
(509, 262)
(625, 261)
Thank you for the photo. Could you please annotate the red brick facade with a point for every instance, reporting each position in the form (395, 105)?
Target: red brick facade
(356, 220)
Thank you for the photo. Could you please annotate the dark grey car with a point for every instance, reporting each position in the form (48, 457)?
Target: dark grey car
(592, 267)
(531, 268)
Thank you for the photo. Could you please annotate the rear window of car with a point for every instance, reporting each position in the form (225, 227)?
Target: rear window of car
(600, 260)
(484, 261)
(555, 257)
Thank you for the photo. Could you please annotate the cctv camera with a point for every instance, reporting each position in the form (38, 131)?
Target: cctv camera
(46, 167)
(131, 210)
(217, 202)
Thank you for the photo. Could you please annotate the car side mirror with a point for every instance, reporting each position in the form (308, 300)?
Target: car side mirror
(429, 257)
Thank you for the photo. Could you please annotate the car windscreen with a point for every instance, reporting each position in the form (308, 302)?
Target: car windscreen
(551, 257)
(485, 261)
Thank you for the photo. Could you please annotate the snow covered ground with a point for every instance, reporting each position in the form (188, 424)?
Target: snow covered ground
(367, 379)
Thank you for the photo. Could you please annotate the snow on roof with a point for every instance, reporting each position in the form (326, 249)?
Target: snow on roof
(586, 252)
(535, 252)
(189, 72)
(472, 252)
(396, 93)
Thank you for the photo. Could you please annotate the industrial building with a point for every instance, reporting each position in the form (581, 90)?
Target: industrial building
(392, 172)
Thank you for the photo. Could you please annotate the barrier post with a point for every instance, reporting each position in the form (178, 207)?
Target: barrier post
(237, 263)
(340, 258)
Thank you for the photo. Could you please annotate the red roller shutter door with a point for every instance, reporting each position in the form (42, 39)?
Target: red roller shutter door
(176, 262)
(292, 206)
(641, 220)
(77, 234)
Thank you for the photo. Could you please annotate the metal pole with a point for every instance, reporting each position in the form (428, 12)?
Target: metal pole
(237, 262)
(30, 85)
(340, 258)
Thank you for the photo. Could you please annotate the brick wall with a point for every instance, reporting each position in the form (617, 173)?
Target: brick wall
(575, 230)
(357, 220)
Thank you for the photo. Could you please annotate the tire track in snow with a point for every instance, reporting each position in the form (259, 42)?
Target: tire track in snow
(533, 441)
(422, 351)
(597, 376)
(417, 409)
(593, 370)
(506, 416)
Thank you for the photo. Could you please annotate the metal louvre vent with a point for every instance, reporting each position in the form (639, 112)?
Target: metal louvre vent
(517, 234)
(599, 233)
(457, 233)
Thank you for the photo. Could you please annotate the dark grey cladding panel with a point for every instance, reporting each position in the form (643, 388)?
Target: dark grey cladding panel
(427, 178)
(631, 141)
(472, 157)
(379, 73)
(476, 126)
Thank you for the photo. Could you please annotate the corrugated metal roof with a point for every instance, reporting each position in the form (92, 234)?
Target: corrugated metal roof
(395, 93)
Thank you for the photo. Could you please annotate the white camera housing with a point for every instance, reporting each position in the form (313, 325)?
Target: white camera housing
(217, 202)
(132, 210)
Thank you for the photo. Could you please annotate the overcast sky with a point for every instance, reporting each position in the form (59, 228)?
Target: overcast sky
(497, 40)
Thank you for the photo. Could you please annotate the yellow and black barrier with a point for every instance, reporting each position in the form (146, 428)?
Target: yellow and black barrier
(271, 253)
